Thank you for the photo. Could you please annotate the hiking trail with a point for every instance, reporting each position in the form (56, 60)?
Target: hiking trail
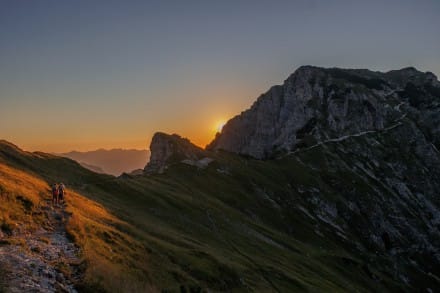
(44, 260)
(345, 137)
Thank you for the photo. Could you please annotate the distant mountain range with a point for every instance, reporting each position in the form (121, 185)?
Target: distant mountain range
(114, 162)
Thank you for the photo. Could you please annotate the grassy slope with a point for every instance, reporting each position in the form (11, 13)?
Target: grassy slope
(242, 237)
(108, 264)
(238, 228)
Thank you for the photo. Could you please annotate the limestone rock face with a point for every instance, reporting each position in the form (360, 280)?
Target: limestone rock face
(315, 104)
(168, 149)
(381, 127)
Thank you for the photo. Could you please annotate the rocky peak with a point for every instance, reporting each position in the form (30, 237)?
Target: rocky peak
(314, 104)
(407, 75)
(167, 149)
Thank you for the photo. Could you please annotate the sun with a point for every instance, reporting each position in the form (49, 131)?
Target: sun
(219, 125)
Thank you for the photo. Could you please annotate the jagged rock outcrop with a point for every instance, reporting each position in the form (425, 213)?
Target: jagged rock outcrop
(315, 104)
(167, 149)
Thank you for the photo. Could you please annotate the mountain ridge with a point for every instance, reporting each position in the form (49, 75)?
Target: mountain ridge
(313, 95)
(113, 161)
(245, 136)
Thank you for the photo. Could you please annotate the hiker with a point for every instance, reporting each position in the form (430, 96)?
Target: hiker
(61, 192)
(55, 194)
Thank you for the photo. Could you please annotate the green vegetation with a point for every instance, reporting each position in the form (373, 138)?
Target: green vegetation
(239, 225)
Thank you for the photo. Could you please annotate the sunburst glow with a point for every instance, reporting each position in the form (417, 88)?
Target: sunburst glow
(219, 125)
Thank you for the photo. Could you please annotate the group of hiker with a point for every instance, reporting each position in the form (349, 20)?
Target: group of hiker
(58, 193)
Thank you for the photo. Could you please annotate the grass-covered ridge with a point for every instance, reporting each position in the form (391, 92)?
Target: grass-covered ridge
(300, 223)
(111, 257)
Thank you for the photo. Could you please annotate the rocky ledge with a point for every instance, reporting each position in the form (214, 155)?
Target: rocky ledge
(168, 149)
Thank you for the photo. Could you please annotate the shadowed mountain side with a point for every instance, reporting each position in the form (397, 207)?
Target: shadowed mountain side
(184, 229)
(371, 139)
(242, 224)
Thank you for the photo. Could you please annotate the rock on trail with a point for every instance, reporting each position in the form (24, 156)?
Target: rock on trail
(43, 261)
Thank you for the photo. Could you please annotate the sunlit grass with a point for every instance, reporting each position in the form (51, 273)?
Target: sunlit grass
(109, 256)
(222, 228)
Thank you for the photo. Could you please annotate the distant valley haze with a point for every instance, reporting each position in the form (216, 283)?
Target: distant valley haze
(114, 161)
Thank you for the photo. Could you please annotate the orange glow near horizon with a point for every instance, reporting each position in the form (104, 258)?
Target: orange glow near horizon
(87, 126)
(83, 141)
(219, 125)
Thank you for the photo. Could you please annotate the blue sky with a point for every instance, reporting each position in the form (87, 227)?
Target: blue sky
(78, 74)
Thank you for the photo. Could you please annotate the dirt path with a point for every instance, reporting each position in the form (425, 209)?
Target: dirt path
(43, 261)
(342, 138)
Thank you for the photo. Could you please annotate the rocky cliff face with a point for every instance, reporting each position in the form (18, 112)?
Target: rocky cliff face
(355, 152)
(317, 104)
(373, 140)
(167, 149)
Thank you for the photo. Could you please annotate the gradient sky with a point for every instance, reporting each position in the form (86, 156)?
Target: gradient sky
(88, 74)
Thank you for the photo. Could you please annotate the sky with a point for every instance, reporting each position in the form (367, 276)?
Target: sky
(89, 74)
